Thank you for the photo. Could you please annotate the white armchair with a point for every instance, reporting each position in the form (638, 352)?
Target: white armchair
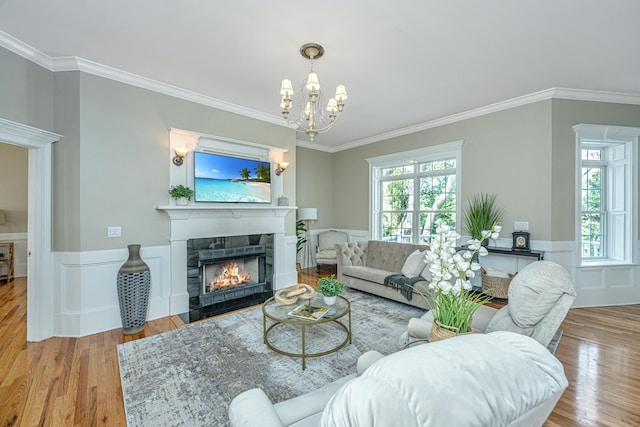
(540, 297)
(326, 250)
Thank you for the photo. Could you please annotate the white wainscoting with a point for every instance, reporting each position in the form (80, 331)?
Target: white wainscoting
(86, 294)
(19, 252)
(595, 285)
(85, 289)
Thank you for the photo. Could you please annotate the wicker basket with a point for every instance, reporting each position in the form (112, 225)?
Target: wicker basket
(442, 332)
(497, 287)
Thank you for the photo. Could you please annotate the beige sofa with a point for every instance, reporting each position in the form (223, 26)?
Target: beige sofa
(364, 266)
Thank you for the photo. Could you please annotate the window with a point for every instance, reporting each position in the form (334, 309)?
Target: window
(410, 190)
(607, 182)
(592, 218)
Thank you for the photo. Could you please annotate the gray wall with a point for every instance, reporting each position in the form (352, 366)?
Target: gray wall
(566, 114)
(525, 154)
(111, 168)
(66, 221)
(315, 182)
(14, 162)
(507, 152)
(123, 165)
(26, 91)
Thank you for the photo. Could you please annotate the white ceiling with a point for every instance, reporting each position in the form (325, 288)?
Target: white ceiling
(404, 62)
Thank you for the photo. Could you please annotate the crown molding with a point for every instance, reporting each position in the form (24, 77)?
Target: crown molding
(311, 146)
(72, 63)
(596, 96)
(24, 50)
(553, 93)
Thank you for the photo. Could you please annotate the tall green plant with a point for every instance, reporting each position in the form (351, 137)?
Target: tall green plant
(481, 213)
(301, 235)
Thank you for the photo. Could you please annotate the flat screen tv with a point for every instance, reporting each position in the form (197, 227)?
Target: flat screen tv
(224, 179)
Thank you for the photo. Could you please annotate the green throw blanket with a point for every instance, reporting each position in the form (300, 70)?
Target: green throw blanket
(402, 284)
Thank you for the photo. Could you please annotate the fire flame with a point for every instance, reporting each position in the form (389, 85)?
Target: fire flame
(231, 275)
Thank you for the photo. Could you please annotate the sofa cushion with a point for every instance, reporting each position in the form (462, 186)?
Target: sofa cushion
(414, 264)
(374, 275)
(389, 256)
(535, 290)
(426, 273)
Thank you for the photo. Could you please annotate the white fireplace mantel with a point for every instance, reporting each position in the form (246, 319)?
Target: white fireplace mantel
(203, 221)
(203, 212)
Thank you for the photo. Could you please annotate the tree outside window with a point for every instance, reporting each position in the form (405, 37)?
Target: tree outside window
(433, 184)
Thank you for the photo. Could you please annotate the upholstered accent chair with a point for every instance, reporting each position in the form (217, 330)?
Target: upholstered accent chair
(540, 297)
(326, 249)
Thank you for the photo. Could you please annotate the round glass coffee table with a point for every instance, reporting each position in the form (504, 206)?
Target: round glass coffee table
(279, 315)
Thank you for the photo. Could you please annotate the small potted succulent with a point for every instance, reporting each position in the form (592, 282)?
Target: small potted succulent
(330, 288)
(181, 194)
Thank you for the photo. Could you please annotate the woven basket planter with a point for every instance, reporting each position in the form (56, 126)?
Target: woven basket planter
(497, 287)
(442, 332)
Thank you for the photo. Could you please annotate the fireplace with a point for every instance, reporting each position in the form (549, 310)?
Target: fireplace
(228, 273)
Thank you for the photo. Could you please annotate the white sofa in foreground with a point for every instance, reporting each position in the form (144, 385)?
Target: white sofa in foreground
(496, 379)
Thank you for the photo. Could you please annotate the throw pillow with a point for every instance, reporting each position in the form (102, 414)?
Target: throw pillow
(426, 273)
(414, 264)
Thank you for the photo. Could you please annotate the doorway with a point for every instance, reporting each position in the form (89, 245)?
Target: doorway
(39, 256)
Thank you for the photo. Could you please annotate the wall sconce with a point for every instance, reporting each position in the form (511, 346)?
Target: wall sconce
(178, 160)
(282, 166)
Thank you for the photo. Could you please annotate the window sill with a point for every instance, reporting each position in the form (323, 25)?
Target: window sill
(606, 263)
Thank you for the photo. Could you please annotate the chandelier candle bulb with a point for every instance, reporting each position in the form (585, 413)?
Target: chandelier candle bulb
(286, 90)
(313, 82)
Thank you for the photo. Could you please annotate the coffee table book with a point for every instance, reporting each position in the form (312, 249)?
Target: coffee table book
(308, 312)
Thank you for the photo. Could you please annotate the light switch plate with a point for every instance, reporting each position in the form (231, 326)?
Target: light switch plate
(114, 231)
(521, 225)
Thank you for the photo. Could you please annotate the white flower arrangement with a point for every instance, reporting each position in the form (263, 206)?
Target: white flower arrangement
(452, 301)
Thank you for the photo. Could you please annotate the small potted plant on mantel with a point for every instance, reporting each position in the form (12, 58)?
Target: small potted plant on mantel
(330, 288)
(181, 194)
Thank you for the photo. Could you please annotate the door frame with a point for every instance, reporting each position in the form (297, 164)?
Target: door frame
(40, 297)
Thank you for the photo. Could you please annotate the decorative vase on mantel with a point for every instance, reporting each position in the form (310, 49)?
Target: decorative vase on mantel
(134, 285)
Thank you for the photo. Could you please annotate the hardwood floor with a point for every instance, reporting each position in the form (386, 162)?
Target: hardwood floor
(76, 381)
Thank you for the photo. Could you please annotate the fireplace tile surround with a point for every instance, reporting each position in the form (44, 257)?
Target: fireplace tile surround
(208, 257)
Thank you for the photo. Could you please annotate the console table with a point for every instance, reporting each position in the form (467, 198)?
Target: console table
(6, 259)
(539, 255)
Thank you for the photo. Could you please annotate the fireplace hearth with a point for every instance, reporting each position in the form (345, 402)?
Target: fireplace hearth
(228, 273)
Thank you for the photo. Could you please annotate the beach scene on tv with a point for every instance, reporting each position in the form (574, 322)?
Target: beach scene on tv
(230, 179)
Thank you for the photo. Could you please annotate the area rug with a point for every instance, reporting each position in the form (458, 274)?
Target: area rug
(190, 375)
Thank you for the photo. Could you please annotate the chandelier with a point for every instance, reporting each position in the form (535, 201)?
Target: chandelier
(312, 118)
